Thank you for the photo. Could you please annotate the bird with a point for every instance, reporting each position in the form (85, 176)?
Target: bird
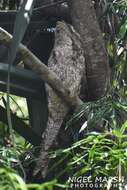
(67, 61)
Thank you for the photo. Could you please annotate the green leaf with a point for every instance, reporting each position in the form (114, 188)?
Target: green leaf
(123, 30)
(124, 127)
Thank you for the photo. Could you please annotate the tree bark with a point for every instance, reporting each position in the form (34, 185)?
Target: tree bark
(97, 68)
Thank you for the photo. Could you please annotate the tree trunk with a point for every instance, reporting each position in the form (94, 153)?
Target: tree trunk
(97, 69)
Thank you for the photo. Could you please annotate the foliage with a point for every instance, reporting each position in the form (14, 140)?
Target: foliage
(101, 149)
(9, 4)
(100, 146)
(10, 180)
(102, 141)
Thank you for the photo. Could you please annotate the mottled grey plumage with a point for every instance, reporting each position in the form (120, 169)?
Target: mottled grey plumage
(67, 61)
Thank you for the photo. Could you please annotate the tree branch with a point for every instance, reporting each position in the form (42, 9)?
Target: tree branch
(97, 66)
(43, 71)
